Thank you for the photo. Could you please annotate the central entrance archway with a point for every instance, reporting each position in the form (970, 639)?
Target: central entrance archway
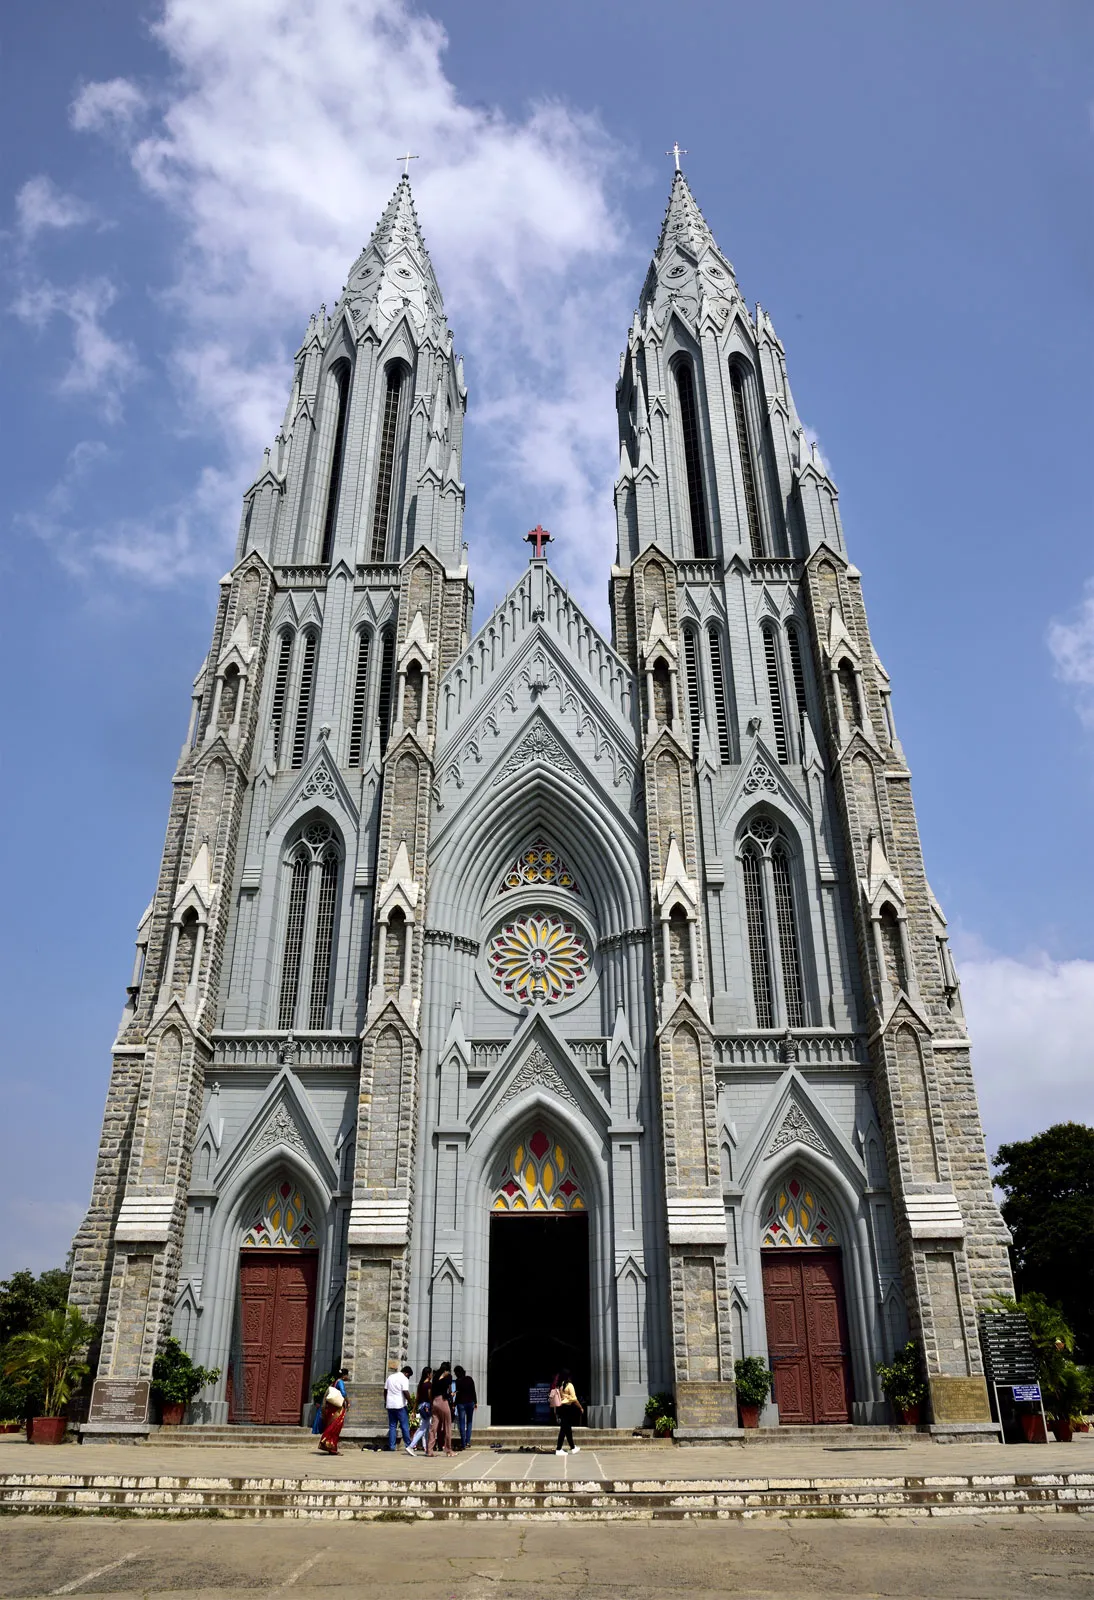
(807, 1340)
(539, 1277)
(278, 1269)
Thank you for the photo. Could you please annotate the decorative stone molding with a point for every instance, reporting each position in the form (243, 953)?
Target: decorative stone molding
(538, 745)
(696, 1221)
(796, 1128)
(379, 1222)
(320, 782)
(280, 1129)
(760, 777)
(934, 1216)
(538, 1072)
(145, 1219)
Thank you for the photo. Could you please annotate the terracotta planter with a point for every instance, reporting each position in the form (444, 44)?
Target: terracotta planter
(1061, 1427)
(11, 1427)
(750, 1415)
(172, 1413)
(1033, 1429)
(909, 1416)
(47, 1430)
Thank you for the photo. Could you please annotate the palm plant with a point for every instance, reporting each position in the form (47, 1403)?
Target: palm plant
(49, 1356)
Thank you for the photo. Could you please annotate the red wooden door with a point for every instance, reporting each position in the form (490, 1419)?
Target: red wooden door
(277, 1308)
(807, 1335)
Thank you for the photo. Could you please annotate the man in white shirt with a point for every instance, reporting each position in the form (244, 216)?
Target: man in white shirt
(396, 1399)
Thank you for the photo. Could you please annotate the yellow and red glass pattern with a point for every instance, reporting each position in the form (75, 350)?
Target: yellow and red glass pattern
(538, 956)
(797, 1216)
(283, 1222)
(540, 864)
(540, 1177)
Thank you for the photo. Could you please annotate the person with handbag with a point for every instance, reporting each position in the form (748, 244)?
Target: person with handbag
(396, 1399)
(335, 1406)
(563, 1398)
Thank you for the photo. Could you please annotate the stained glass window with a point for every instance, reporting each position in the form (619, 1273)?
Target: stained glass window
(797, 1215)
(538, 956)
(539, 1176)
(283, 1222)
(540, 863)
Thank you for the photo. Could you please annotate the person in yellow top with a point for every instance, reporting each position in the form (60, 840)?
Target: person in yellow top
(569, 1409)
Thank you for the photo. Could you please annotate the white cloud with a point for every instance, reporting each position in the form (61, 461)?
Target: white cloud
(101, 365)
(1071, 645)
(1032, 1027)
(277, 153)
(40, 204)
(103, 107)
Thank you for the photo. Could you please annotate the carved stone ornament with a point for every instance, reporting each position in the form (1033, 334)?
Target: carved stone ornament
(320, 782)
(538, 745)
(760, 776)
(280, 1129)
(539, 1072)
(796, 1128)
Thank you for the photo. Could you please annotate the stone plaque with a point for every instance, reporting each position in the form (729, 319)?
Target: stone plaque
(959, 1399)
(706, 1405)
(119, 1400)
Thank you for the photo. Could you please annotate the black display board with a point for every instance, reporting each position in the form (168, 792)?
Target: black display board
(1007, 1347)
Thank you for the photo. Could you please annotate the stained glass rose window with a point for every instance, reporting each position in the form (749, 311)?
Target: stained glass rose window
(539, 955)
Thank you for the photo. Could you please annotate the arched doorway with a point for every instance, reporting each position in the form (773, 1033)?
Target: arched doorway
(807, 1339)
(275, 1318)
(539, 1275)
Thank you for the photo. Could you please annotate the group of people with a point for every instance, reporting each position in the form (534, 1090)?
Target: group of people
(445, 1398)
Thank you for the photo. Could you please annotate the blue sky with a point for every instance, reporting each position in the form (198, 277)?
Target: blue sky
(906, 187)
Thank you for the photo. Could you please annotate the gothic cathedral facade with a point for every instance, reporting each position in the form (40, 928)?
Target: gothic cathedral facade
(526, 998)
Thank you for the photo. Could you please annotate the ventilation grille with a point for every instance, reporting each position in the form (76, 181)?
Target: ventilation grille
(748, 471)
(281, 684)
(294, 940)
(303, 704)
(357, 717)
(691, 670)
(778, 718)
(721, 713)
(757, 940)
(386, 467)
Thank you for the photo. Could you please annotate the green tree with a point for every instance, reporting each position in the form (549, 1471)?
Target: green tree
(48, 1358)
(1048, 1182)
(23, 1299)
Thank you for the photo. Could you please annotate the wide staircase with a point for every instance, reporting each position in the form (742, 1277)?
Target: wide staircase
(532, 1438)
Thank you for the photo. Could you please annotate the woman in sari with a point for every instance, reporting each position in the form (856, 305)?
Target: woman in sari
(334, 1416)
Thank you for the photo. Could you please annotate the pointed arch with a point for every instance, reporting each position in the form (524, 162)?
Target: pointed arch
(386, 494)
(749, 476)
(691, 438)
(337, 396)
(311, 880)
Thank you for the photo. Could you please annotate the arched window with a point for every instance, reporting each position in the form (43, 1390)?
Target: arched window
(721, 698)
(679, 943)
(693, 463)
(774, 686)
(303, 701)
(281, 688)
(313, 866)
(387, 675)
(848, 694)
(539, 1175)
(774, 939)
(413, 695)
(385, 462)
(748, 463)
(339, 380)
(691, 680)
(357, 713)
(182, 973)
(892, 948)
(798, 1217)
(797, 668)
(229, 699)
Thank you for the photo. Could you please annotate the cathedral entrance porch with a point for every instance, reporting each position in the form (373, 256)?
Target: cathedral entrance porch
(539, 1308)
(807, 1340)
(276, 1320)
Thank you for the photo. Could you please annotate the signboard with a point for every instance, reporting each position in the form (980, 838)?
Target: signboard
(119, 1400)
(1007, 1347)
(537, 1401)
(1026, 1391)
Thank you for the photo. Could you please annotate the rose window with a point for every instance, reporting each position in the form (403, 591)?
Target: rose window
(538, 956)
(797, 1216)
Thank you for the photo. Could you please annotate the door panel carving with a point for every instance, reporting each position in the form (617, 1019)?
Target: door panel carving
(277, 1311)
(807, 1335)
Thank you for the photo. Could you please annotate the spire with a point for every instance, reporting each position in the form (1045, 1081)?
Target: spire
(394, 272)
(687, 264)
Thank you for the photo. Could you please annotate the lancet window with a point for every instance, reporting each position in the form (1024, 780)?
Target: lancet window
(281, 688)
(539, 1175)
(385, 461)
(774, 687)
(303, 700)
(797, 1216)
(283, 1221)
(387, 678)
(748, 463)
(691, 680)
(721, 695)
(313, 873)
(774, 941)
(357, 711)
(339, 379)
(693, 459)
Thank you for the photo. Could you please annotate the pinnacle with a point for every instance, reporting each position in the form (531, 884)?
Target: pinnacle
(397, 232)
(685, 224)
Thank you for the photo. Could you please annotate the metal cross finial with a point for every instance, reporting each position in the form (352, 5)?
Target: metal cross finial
(676, 153)
(538, 537)
(407, 159)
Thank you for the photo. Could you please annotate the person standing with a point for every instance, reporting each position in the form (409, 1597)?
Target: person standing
(423, 1401)
(466, 1401)
(569, 1409)
(396, 1399)
(440, 1414)
(334, 1415)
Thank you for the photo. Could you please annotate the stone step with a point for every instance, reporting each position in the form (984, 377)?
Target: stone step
(583, 1500)
(244, 1435)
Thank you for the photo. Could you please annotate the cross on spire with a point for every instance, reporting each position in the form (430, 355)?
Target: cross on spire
(538, 537)
(406, 160)
(676, 153)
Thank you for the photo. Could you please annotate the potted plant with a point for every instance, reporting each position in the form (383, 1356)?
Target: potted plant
(50, 1356)
(754, 1382)
(176, 1380)
(661, 1414)
(903, 1383)
(1065, 1394)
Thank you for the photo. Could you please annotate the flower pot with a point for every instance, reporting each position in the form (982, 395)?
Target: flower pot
(1080, 1427)
(750, 1415)
(1033, 1429)
(47, 1430)
(11, 1427)
(172, 1413)
(1061, 1427)
(909, 1416)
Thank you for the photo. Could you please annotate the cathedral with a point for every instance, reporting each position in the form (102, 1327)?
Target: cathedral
(525, 997)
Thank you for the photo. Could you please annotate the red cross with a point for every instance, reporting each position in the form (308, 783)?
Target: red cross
(539, 537)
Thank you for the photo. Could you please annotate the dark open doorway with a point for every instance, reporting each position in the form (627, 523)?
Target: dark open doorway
(539, 1309)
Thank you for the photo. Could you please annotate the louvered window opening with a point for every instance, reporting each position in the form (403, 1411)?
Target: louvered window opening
(757, 940)
(788, 939)
(324, 941)
(691, 672)
(357, 716)
(689, 427)
(385, 473)
(848, 688)
(778, 719)
(294, 939)
(387, 673)
(748, 470)
(340, 375)
(303, 703)
(281, 685)
(794, 645)
(721, 708)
